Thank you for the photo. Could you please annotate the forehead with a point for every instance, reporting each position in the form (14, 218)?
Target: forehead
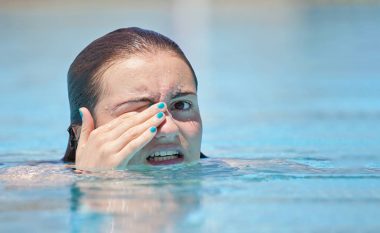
(157, 74)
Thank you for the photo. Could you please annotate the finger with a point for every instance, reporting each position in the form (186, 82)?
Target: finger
(87, 125)
(137, 130)
(131, 149)
(122, 124)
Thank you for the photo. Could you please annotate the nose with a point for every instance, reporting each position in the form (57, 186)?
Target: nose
(168, 129)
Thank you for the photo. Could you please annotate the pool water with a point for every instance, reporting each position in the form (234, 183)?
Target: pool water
(290, 100)
(215, 195)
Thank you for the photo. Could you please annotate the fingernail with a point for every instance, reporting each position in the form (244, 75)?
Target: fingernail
(80, 113)
(161, 105)
(153, 129)
(160, 115)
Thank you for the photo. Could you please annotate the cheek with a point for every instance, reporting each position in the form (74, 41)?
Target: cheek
(192, 130)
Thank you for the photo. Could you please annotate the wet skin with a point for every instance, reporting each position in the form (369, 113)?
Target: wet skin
(133, 126)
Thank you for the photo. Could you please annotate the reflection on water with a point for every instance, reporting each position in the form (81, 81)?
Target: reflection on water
(178, 198)
(289, 93)
(126, 205)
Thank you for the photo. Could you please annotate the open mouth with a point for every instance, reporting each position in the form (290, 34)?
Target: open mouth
(165, 158)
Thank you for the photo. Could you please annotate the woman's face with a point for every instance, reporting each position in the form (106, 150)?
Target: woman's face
(132, 85)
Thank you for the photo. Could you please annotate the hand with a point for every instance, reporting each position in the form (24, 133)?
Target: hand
(113, 144)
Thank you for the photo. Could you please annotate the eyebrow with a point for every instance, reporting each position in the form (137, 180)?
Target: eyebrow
(151, 98)
(178, 94)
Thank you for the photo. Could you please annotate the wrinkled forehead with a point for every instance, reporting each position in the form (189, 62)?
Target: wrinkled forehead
(156, 94)
(157, 75)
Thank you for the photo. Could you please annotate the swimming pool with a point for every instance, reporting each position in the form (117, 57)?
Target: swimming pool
(290, 106)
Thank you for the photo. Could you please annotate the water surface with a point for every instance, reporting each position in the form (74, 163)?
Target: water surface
(289, 94)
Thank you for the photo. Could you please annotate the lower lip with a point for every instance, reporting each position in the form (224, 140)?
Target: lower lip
(166, 162)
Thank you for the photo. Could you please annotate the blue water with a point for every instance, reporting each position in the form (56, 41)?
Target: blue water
(290, 100)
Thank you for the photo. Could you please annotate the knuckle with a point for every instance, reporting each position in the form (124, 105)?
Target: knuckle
(132, 146)
(132, 133)
(101, 139)
(105, 150)
(104, 128)
(125, 116)
(92, 136)
(95, 133)
(128, 115)
(124, 153)
(133, 120)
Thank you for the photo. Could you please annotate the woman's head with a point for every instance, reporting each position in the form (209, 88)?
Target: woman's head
(84, 76)
(126, 71)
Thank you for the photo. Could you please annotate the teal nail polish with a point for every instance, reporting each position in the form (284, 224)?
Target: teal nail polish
(161, 105)
(160, 115)
(81, 114)
(153, 129)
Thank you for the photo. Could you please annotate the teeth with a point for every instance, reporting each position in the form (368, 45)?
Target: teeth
(163, 155)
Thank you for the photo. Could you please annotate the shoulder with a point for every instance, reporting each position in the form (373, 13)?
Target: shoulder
(203, 156)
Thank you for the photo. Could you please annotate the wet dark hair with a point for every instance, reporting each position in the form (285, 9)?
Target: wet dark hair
(84, 75)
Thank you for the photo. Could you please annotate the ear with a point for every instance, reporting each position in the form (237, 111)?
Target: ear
(76, 131)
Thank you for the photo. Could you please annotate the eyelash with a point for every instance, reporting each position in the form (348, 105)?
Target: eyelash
(184, 110)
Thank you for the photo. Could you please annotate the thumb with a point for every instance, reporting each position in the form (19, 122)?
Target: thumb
(87, 125)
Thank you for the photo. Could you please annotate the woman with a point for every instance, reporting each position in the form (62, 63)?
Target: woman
(133, 100)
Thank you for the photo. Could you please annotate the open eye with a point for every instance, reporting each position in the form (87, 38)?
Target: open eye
(181, 106)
